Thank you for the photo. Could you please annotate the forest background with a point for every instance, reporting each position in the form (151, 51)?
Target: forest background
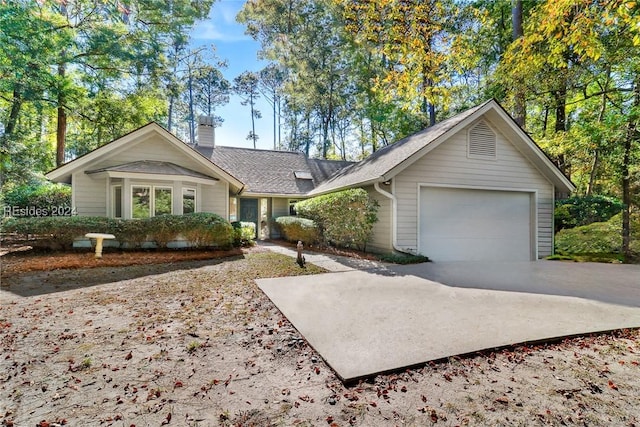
(344, 77)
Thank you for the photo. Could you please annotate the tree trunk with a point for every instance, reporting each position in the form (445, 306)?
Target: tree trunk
(274, 119)
(192, 119)
(633, 135)
(594, 172)
(170, 114)
(518, 32)
(16, 105)
(253, 122)
(61, 130)
(596, 155)
(560, 96)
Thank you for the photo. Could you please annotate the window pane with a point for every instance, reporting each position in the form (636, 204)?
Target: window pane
(162, 201)
(292, 207)
(188, 200)
(141, 206)
(117, 202)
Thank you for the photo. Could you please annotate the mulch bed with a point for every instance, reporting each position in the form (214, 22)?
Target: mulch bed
(29, 260)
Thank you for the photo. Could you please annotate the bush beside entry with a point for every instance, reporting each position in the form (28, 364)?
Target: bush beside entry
(244, 233)
(295, 228)
(344, 218)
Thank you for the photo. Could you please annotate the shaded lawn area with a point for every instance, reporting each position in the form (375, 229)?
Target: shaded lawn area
(198, 344)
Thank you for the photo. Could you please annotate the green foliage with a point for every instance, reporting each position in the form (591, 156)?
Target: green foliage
(200, 229)
(396, 258)
(42, 197)
(57, 232)
(345, 218)
(597, 237)
(294, 228)
(94, 64)
(244, 233)
(204, 229)
(576, 211)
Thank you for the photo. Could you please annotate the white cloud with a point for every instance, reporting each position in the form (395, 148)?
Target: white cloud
(221, 24)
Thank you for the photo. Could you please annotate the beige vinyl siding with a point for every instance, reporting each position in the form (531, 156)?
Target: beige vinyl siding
(154, 148)
(381, 240)
(213, 198)
(90, 195)
(448, 165)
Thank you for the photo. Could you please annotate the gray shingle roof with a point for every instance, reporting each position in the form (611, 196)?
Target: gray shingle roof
(384, 160)
(153, 167)
(270, 171)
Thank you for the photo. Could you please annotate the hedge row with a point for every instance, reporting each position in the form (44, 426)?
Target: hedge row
(199, 229)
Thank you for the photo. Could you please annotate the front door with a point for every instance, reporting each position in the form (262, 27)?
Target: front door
(249, 211)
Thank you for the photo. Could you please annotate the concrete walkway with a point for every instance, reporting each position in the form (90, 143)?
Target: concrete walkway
(382, 319)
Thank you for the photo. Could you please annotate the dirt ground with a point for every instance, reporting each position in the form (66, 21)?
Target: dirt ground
(196, 343)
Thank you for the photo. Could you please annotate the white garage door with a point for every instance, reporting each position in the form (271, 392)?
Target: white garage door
(475, 225)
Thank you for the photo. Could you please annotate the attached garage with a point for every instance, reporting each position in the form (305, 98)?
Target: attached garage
(457, 224)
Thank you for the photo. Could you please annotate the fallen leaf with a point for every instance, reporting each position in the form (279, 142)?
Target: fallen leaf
(167, 420)
(612, 385)
(128, 356)
(503, 399)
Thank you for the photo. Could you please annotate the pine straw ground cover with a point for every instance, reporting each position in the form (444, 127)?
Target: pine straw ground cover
(195, 343)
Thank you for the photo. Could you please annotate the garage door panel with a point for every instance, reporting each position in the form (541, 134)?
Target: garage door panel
(478, 225)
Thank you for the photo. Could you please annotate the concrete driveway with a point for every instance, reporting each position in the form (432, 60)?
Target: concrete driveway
(612, 283)
(364, 322)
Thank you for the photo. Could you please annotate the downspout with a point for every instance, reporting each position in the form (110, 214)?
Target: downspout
(394, 216)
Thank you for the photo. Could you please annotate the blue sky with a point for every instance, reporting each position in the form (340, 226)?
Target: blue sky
(240, 51)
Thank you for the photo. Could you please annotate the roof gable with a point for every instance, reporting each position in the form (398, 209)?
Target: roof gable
(386, 163)
(63, 173)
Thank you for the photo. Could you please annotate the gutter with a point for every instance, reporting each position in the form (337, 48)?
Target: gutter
(394, 216)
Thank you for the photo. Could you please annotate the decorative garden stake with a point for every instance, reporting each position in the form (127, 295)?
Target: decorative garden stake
(300, 260)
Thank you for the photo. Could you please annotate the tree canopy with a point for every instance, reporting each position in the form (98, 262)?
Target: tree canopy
(345, 77)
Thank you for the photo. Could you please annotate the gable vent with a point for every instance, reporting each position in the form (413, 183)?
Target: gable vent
(482, 142)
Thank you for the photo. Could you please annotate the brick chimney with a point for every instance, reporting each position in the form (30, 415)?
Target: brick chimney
(206, 132)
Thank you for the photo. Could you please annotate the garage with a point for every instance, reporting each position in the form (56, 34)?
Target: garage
(459, 224)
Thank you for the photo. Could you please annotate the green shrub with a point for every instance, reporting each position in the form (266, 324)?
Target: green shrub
(44, 199)
(403, 258)
(58, 232)
(162, 229)
(207, 229)
(200, 229)
(578, 210)
(294, 228)
(344, 218)
(244, 233)
(597, 238)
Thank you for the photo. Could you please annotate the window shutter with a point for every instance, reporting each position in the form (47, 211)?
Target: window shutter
(482, 142)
